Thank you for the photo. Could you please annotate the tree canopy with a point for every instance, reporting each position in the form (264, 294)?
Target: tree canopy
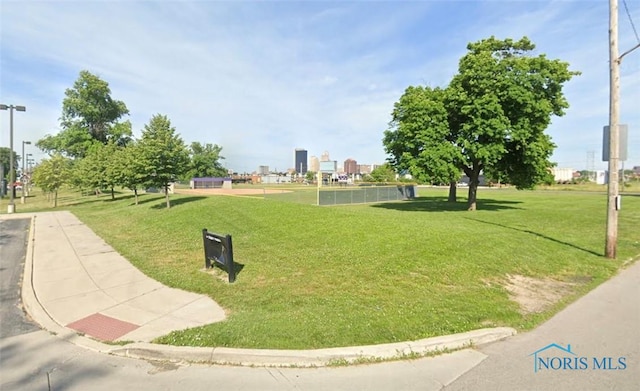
(128, 168)
(384, 173)
(205, 161)
(491, 118)
(51, 174)
(430, 156)
(97, 170)
(163, 153)
(89, 115)
(5, 161)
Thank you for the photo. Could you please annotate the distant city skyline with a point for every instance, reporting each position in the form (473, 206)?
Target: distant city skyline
(311, 165)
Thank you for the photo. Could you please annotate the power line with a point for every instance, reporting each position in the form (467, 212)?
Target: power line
(633, 26)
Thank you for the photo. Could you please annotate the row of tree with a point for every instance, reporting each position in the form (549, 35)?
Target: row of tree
(95, 150)
(490, 119)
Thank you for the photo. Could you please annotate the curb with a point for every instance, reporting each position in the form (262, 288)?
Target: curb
(317, 357)
(252, 357)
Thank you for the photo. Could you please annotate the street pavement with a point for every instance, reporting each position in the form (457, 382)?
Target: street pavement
(83, 292)
(13, 239)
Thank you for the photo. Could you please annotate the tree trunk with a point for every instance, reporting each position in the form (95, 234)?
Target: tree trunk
(473, 191)
(135, 192)
(166, 195)
(452, 192)
(113, 195)
(55, 199)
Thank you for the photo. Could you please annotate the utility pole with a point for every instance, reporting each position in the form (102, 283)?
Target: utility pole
(614, 105)
(591, 166)
(613, 196)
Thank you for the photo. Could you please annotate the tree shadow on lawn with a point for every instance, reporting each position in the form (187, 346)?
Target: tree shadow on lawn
(106, 197)
(175, 201)
(440, 204)
(536, 234)
(83, 200)
(146, 197)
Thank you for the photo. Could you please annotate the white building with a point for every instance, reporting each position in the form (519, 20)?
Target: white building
(562, 174)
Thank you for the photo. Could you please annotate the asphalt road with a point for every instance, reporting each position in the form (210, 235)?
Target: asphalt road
(13, 239)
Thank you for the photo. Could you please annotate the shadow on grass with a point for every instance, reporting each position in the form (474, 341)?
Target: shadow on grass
(536, 234)
(146, 198)
(175, 201)
(67, 201)
(440, 204)
(91, 198)
(237, 267)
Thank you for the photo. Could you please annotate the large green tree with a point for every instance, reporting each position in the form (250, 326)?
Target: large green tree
(497, 106)
(89, 115)
(420, 140)
(164, 155)
(205, 161)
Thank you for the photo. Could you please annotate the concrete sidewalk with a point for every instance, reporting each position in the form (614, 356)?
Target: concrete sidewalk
(85, 285)
(81, 289)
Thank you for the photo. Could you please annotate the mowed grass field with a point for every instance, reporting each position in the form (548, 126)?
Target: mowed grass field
(317, 277)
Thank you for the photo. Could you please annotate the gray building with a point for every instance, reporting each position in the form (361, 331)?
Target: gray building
(301, 161)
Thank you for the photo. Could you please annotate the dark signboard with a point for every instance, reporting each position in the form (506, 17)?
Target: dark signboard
(218, 248)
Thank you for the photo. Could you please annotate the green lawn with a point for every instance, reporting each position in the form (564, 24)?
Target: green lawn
(365, 274)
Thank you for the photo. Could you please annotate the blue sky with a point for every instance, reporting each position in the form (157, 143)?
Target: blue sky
(263, 78)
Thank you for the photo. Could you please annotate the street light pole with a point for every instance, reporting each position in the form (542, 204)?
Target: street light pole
(22, 173)
(12, 173)
(28, 172)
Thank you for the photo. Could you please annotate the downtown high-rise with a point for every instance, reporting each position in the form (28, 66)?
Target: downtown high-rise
(301, 161)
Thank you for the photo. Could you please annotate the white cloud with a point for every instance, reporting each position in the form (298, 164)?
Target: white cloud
(261, 79)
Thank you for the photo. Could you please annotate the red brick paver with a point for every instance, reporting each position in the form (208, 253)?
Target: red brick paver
(103, 327)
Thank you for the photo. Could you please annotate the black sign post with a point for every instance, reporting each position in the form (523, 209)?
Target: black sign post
(219, 249)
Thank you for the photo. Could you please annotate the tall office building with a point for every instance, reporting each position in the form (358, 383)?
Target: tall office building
(325, 156)
(263, 170)
(350, 166)
(314, 164)
(301, 161)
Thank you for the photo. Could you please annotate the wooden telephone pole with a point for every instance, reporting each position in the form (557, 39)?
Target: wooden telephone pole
(613, 200)
(613, 196)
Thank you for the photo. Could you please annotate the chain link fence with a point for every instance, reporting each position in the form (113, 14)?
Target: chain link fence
(342, 195)
(366, 194)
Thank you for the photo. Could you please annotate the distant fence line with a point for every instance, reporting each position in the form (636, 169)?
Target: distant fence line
(345, 195)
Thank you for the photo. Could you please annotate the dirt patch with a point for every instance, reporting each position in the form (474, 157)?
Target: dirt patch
(536, 295)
